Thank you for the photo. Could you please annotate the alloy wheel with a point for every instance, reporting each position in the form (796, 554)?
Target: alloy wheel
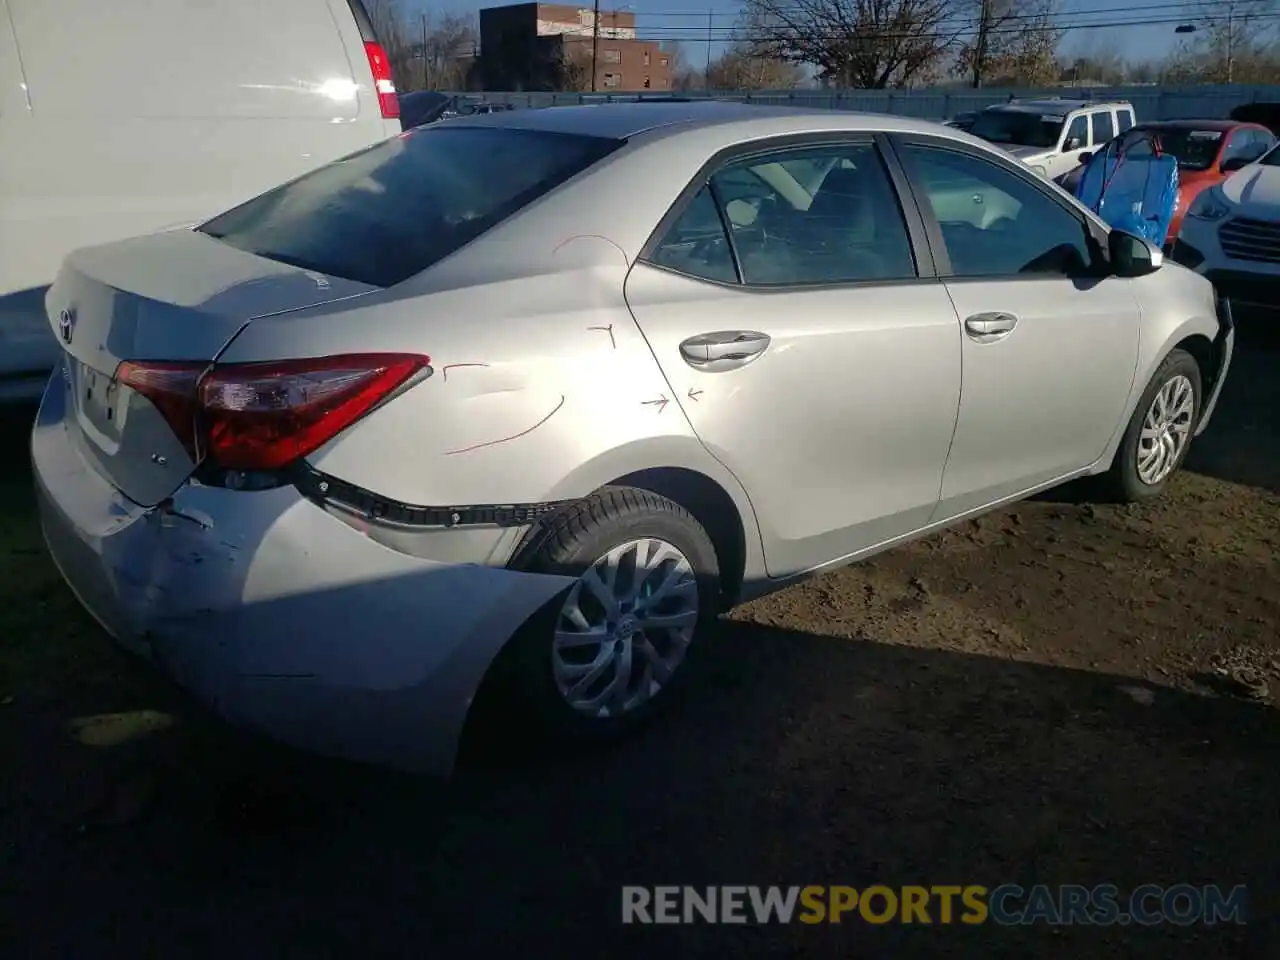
(625, 627)
(1166, 430)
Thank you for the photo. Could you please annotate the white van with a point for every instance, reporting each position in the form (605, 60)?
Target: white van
(125, 117)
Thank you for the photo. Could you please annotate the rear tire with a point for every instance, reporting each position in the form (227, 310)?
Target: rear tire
(600, 661)
(1159, 434)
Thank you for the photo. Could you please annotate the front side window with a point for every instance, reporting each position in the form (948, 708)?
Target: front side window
(826, 215)
(995, 223)
(815, 216)
(1077, 134)
(390, 211)
(1239, 144)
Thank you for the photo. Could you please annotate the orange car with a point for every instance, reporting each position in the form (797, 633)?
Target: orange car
(1207, 151)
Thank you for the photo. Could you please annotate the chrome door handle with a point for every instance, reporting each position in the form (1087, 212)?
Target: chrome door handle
(724, 349)
(985, 327)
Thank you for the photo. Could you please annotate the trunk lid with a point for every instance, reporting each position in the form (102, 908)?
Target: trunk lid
(178, 296)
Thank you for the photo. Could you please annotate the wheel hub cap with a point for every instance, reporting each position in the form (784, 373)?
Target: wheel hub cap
(624, 628)
(1166, 430)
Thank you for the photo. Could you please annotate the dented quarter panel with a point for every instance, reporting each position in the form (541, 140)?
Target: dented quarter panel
(546, 371)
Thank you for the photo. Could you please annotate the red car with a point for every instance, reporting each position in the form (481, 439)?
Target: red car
(1207, 151)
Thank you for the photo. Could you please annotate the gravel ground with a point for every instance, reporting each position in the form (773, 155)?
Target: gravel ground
(1057, 693)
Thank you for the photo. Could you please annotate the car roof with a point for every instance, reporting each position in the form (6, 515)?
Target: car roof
(1194, 124)
(1058, 106)
(623, 121)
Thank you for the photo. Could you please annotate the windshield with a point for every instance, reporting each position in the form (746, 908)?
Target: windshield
(381, 215)
(1018, 128)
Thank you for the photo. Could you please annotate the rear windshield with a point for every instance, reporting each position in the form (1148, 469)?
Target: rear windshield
(1193, 149)
(388, 212)
(1018, 128)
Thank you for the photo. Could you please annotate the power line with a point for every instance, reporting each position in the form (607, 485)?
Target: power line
(1177, 4)
(871, 33)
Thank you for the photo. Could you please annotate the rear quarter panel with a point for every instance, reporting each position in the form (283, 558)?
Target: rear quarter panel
(533, 376)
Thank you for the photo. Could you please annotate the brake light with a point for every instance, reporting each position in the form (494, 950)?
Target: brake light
(264, 416)
(383, 85)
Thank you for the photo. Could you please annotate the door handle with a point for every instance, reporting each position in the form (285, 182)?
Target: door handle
(985, 327)
(724, 349)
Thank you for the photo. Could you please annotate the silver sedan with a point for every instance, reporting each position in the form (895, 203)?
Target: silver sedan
(531, 397)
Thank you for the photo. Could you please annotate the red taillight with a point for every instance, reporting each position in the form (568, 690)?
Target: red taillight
(264, 416)
(383, 85)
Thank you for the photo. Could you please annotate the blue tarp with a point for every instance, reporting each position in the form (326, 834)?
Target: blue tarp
(1133, 186)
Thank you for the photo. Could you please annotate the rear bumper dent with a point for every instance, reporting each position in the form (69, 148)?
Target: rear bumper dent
(279, 616)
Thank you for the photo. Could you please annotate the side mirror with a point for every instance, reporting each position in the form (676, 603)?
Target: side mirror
(1236, 163)
(1086, 156)
(1132, 256)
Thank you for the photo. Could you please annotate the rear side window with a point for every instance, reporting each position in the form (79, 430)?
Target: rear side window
(697, 244)
(381, 215)
(1125, 119)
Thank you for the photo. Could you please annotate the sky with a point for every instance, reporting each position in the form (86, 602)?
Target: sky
(687, 21)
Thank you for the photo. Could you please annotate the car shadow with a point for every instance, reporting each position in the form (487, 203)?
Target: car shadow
(803, 760)
(1242, 442)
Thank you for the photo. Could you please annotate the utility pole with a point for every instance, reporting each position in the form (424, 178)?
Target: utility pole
(426, 64)
(595, 44)
(980, 44)
(706, 73)
(1231, 42)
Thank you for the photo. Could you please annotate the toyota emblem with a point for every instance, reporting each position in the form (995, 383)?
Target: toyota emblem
(66, 325)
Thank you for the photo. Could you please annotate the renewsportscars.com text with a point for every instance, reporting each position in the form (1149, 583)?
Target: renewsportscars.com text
(1006, 905)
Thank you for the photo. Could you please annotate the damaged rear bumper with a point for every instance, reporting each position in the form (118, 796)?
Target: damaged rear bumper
(278, 615)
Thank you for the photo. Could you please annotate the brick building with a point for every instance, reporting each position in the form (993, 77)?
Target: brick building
(538, 46)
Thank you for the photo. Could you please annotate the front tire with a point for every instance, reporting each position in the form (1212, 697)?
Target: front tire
(1158, 437)
(613, 651)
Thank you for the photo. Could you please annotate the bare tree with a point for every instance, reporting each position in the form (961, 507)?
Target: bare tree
(426, 52)
(572, 72)
(445, 50)
(1144, 71)
(1231, 41)
(743, 67)
(1007, 40)
(855, 43)
(1098, 61)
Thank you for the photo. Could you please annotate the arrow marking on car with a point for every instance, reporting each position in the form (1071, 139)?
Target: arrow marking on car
(660, 403)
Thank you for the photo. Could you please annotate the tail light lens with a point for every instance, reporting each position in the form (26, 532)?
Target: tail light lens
(383, 85)
(264, 416)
